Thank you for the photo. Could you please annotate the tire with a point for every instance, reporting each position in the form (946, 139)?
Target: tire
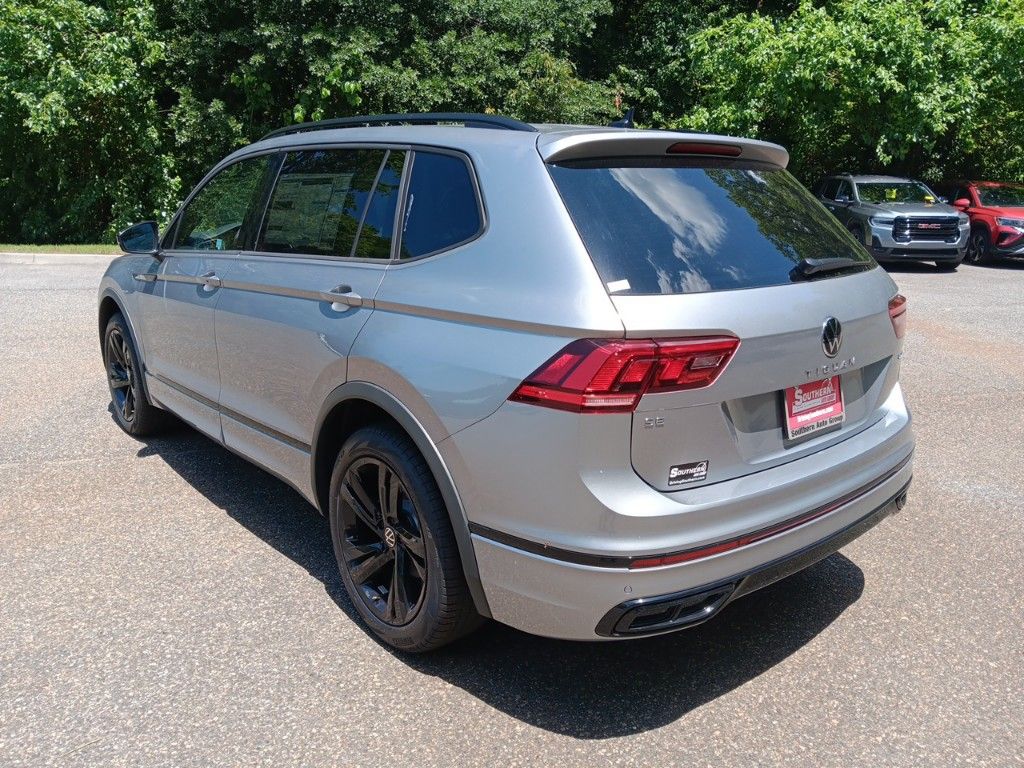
(132, 410)
(398, 558)
(979, 246)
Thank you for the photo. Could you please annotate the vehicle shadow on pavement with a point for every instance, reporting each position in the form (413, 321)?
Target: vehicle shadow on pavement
(585, 690)
(600, 690)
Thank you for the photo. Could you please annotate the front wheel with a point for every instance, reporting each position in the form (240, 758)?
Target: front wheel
(978, 246)
(132, 410)
(394, 543)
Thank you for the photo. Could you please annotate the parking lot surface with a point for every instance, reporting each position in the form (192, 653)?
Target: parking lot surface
(166, 603)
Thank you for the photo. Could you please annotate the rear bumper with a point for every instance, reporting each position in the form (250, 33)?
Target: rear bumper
(668, 613)
(556, 598)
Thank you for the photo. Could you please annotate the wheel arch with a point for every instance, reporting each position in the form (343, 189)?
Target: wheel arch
(356, 404)
(111, 304)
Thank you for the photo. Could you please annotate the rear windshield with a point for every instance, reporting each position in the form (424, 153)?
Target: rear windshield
(670, 226)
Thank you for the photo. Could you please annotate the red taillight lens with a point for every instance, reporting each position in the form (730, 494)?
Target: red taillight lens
(610, 376)
(898, 314)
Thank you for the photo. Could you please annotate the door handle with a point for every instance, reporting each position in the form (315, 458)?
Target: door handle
(210, 281)
(341, 297)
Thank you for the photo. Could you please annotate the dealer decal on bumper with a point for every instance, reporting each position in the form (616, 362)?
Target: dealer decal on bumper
(688, 473)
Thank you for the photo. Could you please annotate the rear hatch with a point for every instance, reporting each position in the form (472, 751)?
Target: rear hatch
(696, 243)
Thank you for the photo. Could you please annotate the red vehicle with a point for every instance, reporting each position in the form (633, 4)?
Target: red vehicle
(997, 217)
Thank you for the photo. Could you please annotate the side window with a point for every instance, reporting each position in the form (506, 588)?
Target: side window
(374, 240)
(319, 200)
(222, 214)
(829, 187)
(441, 206)
(845, 191)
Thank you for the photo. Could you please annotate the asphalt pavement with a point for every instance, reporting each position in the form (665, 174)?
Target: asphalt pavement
(165, 603)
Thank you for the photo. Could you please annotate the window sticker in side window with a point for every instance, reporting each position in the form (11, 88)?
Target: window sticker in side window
(319, 200)
(307, 209)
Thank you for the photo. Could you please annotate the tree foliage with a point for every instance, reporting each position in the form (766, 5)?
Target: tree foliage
(110, 110)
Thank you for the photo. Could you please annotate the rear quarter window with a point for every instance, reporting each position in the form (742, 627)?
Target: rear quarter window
(669, 226)
(442, 208)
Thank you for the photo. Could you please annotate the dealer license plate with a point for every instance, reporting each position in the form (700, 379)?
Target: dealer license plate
(813, 407)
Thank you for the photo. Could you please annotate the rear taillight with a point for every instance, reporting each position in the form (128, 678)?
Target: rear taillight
(611, 375)
(898, 314)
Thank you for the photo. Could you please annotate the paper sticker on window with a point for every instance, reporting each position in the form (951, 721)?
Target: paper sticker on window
(618, 285)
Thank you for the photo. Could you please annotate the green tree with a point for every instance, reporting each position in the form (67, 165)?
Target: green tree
(853, 84)
(80, 137)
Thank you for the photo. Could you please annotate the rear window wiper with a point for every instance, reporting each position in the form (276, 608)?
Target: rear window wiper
(808, 268)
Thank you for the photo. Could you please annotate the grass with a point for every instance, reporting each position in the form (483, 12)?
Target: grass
(74, 248)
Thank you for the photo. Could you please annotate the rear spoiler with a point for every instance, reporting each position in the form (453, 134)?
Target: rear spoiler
(560, 146)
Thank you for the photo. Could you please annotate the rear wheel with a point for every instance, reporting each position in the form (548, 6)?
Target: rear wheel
(978, 246)
(394, 543)
(132, 410)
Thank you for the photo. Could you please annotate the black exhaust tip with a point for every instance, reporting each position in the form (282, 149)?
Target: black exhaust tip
(646, 616)
(901, 501)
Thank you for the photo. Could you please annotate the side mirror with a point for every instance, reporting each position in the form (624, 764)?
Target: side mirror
(962, 203)
(142, 238)
(843, 199)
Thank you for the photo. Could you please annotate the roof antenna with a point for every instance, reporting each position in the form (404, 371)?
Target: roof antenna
(626, 121)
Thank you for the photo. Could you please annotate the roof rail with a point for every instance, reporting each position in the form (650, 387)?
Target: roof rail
(466, 119)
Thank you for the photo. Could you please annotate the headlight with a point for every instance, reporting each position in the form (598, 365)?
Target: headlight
(964, 219)
(881, 221)
(1017, 224)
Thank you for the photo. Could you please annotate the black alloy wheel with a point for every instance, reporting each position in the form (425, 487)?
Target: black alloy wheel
(133, 411)
(977, 246)
(121, 374)
(382, 541)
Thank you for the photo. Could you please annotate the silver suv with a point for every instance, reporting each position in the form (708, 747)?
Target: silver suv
(593, 383)
(897, 219)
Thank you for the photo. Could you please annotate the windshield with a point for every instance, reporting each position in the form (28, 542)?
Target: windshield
(656, 226)
(1002, 197)
(895, 192)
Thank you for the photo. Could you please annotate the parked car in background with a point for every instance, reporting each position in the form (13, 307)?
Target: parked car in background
(996, 211)
(897, 219)
(594, 383)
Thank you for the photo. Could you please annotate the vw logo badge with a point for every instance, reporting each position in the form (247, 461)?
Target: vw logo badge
(389, 536)
(831, 337)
